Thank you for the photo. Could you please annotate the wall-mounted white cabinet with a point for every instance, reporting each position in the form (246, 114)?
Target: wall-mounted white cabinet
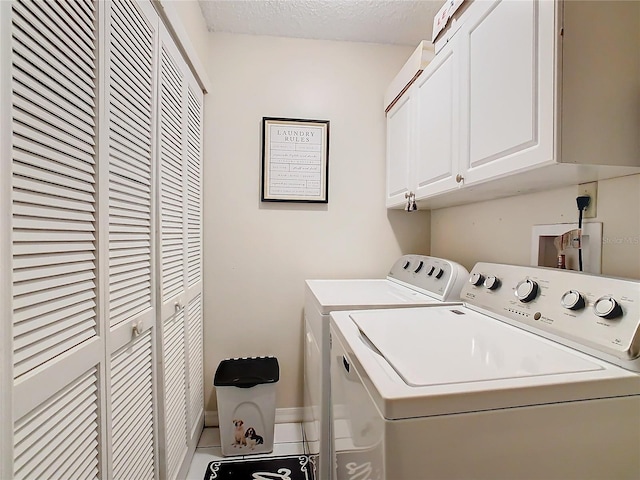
(399, 152)
(437, 139)
(507, 81)
(415, 135)
(525, 96)
(100, 215)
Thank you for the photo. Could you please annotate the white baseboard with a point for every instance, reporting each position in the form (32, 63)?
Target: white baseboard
(289, 415)
(283, 415)
(211, 418)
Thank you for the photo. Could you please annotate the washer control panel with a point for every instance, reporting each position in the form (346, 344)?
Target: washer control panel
(435, 276)
(600, 313)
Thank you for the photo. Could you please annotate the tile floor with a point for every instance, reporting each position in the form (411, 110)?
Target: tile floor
(288, 440)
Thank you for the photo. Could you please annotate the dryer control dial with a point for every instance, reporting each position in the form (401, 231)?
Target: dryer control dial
(476, 279)
(492, 282)
(572, 300)
(607, 307)
(526, 290)
(439, 272)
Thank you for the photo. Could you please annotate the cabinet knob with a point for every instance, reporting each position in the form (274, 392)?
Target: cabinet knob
(459, 178)
(177, 306)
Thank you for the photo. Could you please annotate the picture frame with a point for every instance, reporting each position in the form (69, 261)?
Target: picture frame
(295, 160)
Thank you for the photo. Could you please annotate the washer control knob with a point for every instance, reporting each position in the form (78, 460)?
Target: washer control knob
(476, 279)
(419, 267)
(492, 282)
(431, 270)
(572, 300)
(526, 290)
(607, 307)
(439, 272)
(406, 264)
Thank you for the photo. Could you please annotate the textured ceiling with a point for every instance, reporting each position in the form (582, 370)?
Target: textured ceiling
(400, 22)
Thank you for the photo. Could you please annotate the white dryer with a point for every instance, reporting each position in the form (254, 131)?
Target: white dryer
(414, 280)
(535, 377)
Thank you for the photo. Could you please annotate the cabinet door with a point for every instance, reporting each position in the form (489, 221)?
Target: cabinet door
(399, 150)
(437, 117)
(507, 91)
(130, 306)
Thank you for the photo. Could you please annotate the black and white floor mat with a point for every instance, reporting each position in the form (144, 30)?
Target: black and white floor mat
(297, 467)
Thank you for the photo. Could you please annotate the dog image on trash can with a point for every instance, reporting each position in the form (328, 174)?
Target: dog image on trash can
(253, 438)
(239, 438)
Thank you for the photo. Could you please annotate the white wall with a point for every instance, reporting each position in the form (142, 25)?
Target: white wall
(257, 255)
(500, 230)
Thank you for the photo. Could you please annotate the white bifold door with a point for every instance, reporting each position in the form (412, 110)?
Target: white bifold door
(179, 262)
(130, 63)
(100, 243)
(58, 336)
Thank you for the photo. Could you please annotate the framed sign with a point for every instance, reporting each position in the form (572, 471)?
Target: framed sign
(295, 160)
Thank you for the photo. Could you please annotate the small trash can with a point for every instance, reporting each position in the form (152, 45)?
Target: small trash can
(246, 393)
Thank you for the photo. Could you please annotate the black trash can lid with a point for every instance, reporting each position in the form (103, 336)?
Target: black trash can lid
(246, 372)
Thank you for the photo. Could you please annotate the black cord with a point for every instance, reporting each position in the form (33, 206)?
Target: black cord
(580, 245)
(583, 203)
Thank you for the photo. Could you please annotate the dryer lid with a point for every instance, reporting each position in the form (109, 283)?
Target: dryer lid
(457, 345)
(332, 295)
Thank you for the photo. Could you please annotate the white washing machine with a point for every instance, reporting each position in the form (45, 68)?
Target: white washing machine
(414, 280)
(536, 376)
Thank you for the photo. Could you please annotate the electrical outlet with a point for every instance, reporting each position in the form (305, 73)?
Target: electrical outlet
(590, 189)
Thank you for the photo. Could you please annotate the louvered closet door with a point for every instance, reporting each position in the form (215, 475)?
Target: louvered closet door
(195, 347)
(57, 347)
(180, 259)
(131, 60)
(172, 136)
(195, 365)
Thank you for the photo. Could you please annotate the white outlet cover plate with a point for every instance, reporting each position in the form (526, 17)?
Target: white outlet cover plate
(592, 242)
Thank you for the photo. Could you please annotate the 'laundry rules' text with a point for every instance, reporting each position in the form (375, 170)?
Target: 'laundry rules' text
(296, 136)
